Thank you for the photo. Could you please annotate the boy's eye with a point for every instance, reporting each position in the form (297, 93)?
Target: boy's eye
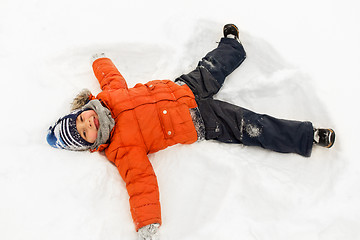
(84, 134)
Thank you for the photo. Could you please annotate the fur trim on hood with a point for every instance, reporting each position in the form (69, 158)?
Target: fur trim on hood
(81, 99)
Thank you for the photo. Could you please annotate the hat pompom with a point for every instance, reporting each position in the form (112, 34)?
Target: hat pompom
(51, 138)
(81, 99)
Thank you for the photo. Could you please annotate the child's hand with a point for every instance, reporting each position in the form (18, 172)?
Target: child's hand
(97, 56)
(149, 232)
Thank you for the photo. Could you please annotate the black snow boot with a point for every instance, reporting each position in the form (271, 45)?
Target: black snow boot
(324, 137)
(231, 29)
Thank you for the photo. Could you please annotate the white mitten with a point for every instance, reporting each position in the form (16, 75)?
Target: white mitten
(149, 232)
(97, 56)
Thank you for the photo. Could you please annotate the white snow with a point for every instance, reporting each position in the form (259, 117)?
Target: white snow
(303, 63)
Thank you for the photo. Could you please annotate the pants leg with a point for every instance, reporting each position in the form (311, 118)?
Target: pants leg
(224, 59)
(209, 76)
(229, 123)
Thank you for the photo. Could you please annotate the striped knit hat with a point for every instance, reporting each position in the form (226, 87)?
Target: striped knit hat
(64, 135)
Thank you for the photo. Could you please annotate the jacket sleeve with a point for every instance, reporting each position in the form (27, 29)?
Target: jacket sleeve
(141, 184)
(108, 75)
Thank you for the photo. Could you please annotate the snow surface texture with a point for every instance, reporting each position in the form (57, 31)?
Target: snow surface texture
(303, 63)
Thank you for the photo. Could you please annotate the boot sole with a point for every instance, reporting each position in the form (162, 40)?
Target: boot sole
(332, 139)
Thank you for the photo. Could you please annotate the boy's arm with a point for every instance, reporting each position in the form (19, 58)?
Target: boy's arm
(107, 74)
(141, 184)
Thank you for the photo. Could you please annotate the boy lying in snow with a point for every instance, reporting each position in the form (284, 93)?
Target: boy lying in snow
(129, 123)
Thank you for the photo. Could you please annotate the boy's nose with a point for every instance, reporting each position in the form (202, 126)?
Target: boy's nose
(89, 123)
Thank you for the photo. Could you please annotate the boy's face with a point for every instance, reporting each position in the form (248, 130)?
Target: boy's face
(87, 124)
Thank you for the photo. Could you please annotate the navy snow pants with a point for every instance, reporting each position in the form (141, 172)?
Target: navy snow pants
(229, 123)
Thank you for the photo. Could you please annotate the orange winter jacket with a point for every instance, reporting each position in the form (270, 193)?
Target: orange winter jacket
(148, 117)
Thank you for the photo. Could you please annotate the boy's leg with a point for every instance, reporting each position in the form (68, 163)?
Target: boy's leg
(224, 59)
(229, 123)
(207, 79)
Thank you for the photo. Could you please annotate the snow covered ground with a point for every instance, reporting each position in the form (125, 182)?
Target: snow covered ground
(303, 63)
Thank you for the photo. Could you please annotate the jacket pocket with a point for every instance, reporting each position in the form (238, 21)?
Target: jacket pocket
(166, 122)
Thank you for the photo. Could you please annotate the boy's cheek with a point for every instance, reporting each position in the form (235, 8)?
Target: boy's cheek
(94, 136)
